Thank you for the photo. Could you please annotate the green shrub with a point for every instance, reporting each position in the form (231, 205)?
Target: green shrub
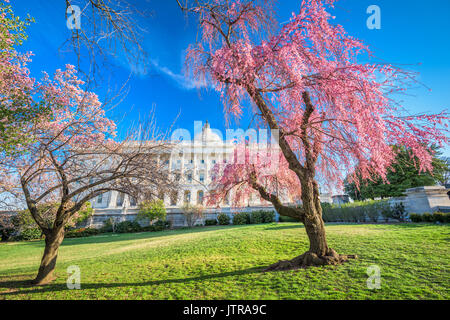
(268, 216)
(30, 234)
(256, 217)
(287, 219)
(438, 217)
(241, 218)
(415, 217)
(108, 225)
(82, 232)
(427, 217)
(447, 217)
(398, 212)
(127, 227)
(210, 222)
(150, 210)
(372, 210)
(386, 210)
(223, 219)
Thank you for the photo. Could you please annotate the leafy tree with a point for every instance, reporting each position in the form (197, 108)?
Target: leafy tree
(74, 157)
(403, 174)
(17, 107)
(151, 210)
(302, 79)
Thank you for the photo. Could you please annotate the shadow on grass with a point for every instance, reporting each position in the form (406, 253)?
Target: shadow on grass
(113, 237)
(292, 225)
(17, 287)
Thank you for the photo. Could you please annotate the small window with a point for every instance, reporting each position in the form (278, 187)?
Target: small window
(119, 200)
(100, 198)
(132, 202)
(202, 161)
(200, 197)
(187, 196)
(189, 177)
(202, 177)
(173, 198)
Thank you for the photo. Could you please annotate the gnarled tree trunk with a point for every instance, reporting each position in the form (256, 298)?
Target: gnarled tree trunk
(52, 242)
(319, 253)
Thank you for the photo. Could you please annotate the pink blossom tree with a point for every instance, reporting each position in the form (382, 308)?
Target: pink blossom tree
(16, 86)
(333, 113)
(73, 157)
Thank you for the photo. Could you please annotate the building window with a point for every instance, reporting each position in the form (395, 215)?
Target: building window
(213, 162)
(119, 200)
(202, 161)
(100, 198)
(173, 198)
(202, 177)
(189, 177)
(227, 199)
(187, 196)
(200, 197)
(132, 202)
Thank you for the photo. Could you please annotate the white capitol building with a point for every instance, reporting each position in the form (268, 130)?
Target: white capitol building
(193, 160)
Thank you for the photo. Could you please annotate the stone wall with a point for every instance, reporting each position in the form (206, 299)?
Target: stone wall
(174, 215)
(427, 199)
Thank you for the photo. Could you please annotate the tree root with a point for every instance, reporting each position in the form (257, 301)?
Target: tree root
(310, 259)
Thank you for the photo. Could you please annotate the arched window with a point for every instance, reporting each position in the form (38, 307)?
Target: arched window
(199, 197)
(187, 196)
(132, 202)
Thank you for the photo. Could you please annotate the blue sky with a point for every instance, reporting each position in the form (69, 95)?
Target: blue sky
(415, 34)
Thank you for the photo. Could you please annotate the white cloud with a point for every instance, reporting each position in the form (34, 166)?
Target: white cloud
(180, 79)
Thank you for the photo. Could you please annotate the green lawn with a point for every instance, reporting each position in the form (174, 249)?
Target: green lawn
(226, 262)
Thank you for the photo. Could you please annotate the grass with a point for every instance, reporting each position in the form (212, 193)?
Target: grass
(226, 263)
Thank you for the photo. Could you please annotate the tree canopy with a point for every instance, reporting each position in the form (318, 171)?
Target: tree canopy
(402, 175)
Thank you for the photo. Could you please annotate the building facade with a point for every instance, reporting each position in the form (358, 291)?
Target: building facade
(192, 161)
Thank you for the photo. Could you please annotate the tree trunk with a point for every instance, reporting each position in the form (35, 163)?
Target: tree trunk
(319, 253)
(52, 242)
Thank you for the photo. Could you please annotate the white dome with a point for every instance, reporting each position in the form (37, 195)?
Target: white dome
(207, 135)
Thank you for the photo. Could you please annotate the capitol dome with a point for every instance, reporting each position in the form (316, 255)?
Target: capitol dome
(207, 135)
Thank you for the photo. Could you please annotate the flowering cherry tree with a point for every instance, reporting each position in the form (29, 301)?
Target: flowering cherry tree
(332, 112)
(73, 157)
(16, 86)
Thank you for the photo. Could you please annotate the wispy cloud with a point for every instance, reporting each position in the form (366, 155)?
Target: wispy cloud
(180, 79)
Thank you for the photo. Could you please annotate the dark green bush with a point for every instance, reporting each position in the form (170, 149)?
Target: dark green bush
(210, 222)
(447, 217)
(256, 217)
(398, 212)
(223, 219)
(439, 217)
(128, 226)
(108, 225)
(268, 216)
(415, 217)
(162, 225)
(30, 234)
(82, 232)
(241, 218)
(159, 225)
(427, 217)
(287, 219)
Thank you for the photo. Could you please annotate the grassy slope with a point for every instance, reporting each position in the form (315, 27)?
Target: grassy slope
(225, 262)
